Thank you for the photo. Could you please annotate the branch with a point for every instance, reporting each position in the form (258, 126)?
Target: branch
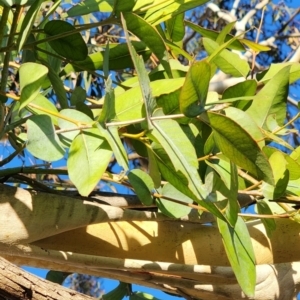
(18, 284)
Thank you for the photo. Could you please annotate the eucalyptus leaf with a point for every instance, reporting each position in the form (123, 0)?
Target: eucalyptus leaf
(239, 249)
(43, 142)
(240, 147)
(170, 208)
(194, 91)
(88, 159)
(72, 45)
(271, 99)
(30, 85)
(142, 184)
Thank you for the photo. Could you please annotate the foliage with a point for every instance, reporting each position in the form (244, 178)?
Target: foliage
(203, 147)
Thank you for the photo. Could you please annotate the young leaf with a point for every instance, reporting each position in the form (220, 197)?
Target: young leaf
(88, 159)
(30, 85)
(225, 32)
(238, 246)
(71, 46)
(239, 146)
(271, 99)
(194, 91)
(142, 184)
(43, 142)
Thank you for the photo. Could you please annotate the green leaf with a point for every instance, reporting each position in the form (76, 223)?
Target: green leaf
(57, 276)
(233, 207)
(78, 95)
(71, 46)
(153, 169)
(269, 223)
(213, 35)
(239, 250)
(144, 81)
(271, 99)
(225, 32)
(281, 177)
(238, 145)
(129, 104)
(43, 142)
(143, 185)
(170, 208)
(123, 6)
(88, 159)
(30, 85)
(150, 36)
(194, 91)
(90, 6)
(267, 75)
(119, 58)
(175, 28)
(241, 89)
(108, 112)
(227, 61)
(291, 164)
(254, 46)
(183, 156)
(27, 23)
(165, 10)
(118, 293)
(42, 102)
(58, 88)
(247, 123)
(75, 115)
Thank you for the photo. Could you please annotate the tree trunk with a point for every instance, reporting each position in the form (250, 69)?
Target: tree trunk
(16, 284)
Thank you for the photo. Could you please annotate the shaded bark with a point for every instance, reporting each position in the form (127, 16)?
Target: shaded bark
(16, 284)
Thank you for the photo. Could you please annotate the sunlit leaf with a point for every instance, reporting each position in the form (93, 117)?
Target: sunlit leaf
(271, 99)
(150, 36)
(30, 85)
(43, 142)
(90, 6)
(170, 208)
(175, 28)
(229, 62)
(194, 91)
(211, 34)
(88, 159)
(239, 249)
(281, 177)
(255, 46)
(144, 81)
(240, 147)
